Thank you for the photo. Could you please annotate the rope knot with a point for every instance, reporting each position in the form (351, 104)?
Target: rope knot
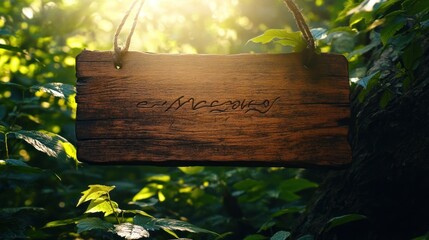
(118, 51)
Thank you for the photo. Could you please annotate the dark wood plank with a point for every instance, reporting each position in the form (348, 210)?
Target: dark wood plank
(212, 109)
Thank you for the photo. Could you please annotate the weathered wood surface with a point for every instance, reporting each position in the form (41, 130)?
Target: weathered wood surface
(261, 109)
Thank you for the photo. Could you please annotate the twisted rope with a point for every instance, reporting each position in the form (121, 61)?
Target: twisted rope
(118, 51)
(306, 33)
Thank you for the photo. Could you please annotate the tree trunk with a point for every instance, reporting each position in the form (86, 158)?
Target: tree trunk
(388, 180)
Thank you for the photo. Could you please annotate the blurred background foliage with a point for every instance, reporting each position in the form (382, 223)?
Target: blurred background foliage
(40, 178)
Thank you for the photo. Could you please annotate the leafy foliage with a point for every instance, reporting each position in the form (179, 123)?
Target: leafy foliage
(56, 89)
(99, 200)
(95, 192)
(41, 179)
(280, 235)
(283, 37)
(388, 25)
(45, 142)
(14, 222)
(168, 224)
(131, 231)
(394, 28)
(88, 224)
(341, 220)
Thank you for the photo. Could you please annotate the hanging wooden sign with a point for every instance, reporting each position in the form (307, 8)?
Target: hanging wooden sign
(258, 109)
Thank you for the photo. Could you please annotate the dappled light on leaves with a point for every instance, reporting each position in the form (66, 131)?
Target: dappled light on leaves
(131, 231)
(41, 183)
(88, 224)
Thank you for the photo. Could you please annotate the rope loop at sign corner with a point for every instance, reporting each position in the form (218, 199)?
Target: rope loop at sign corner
(118, 52)
(308, 53)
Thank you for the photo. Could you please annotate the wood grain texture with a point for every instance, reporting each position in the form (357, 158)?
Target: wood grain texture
(258, 109)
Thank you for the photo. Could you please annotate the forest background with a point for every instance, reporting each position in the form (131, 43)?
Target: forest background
(45, 190)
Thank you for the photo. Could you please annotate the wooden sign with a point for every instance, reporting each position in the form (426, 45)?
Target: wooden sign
(257, 109)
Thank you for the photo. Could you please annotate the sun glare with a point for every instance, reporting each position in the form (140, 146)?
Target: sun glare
(176, 26)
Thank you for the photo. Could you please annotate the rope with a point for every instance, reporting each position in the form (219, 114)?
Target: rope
(303, 27)
(118, 51)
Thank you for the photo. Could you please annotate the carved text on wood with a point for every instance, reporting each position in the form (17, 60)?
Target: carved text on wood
(244, 109)
(213, 106)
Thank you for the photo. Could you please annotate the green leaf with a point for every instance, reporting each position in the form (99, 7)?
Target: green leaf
(297, 46)
(393, 23)
(280, 235)
(342, 41)
(306, 237)
(385, 6)
(10, 48)
(59, 223)
(294, 40)
(361, 16)
(103, 205)
(412, 53)
(191, 170)
(70, 151)
(94, 192)
(223, 235)
(288, 188)
(3, 129)
(140, 212)
(148, 203)
(15, 85)
(414, 7)
(375, 41)
(423, 237)
(159, 178)
(283, 37)
(18, 170)
(172, 224)
(16, 163)
(92, 223)
(171, 233)
(131, 231)
(46, 142)
(341, 220)
(25, 210)
(365, 80)
(287, 211)
(297, 184)
(288, 196)
(319, 33)
(40, 141)
(168, 224)
(146, 192)
(345, 29)
(255, 237)
(267, 225)
(249, 185)
(385, 98)
(271, 34)
(61, 90)
(146, 222)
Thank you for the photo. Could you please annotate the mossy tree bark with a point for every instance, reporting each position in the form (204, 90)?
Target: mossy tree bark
(388, 180)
